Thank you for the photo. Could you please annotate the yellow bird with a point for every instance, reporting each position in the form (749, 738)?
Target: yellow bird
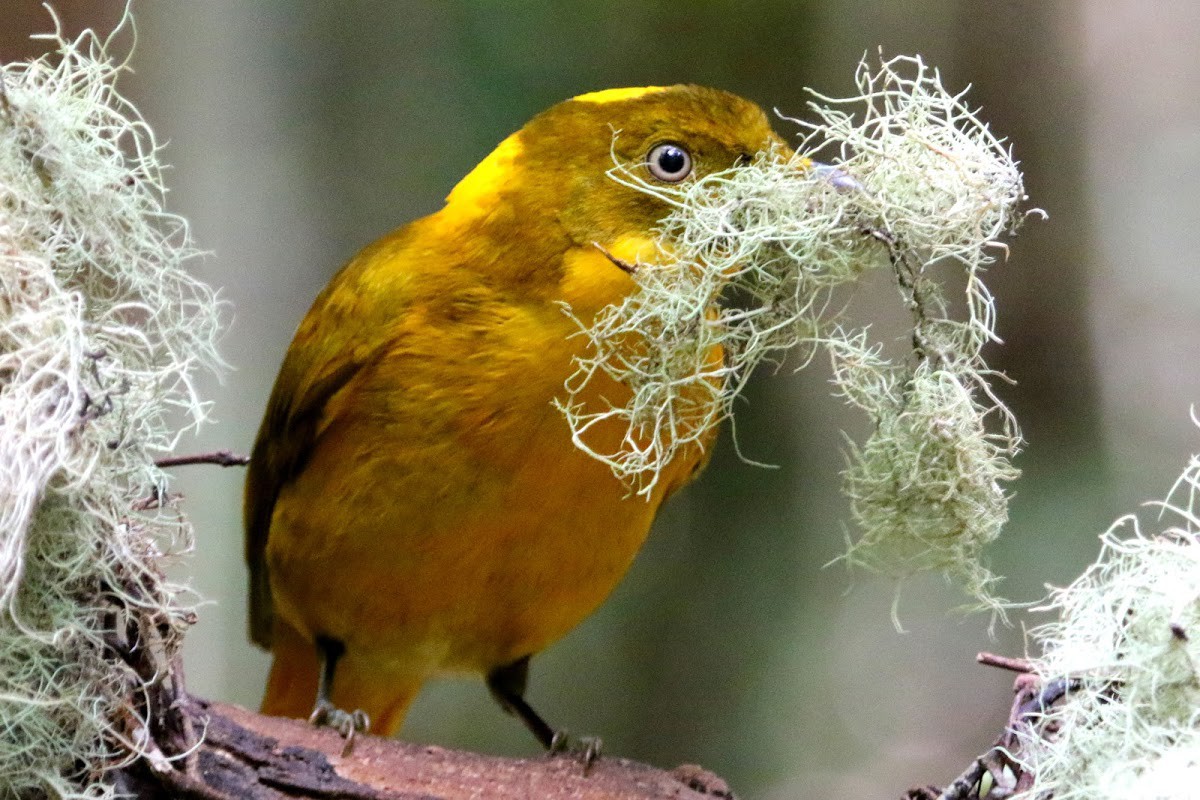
(415, 505)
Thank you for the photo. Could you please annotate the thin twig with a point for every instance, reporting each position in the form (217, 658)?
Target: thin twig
(961, 787)
(624, 266)
(1049, 694)
(222, 458)
(154, 500)
(1004, 662)
(5, 104)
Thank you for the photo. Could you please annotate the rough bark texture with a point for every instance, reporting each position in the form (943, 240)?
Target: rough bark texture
(246, 755)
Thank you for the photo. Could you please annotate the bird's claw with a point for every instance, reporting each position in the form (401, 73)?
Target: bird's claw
(347, 723)
(586, 749)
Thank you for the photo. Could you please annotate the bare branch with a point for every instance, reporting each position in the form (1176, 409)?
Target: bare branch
(1004, 662)
(222, 458)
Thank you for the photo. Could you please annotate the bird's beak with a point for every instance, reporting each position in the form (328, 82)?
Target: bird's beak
(836, 177)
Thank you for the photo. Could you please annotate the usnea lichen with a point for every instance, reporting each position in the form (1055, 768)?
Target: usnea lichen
(914, 179)
(1127, 636)
(101, 333)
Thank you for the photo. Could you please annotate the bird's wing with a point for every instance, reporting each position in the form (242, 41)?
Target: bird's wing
(340, 336)
(285, 441)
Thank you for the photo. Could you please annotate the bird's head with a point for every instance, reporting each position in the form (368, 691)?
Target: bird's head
(547, 188)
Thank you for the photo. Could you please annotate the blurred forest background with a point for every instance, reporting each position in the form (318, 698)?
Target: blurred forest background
(301, 130)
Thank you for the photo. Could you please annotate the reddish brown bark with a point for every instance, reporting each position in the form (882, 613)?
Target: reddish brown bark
(246, 755)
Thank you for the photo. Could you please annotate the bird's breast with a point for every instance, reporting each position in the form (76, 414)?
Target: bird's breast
(446, 512)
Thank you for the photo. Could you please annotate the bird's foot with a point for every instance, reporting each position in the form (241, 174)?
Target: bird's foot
(348, 723)
(585, 749)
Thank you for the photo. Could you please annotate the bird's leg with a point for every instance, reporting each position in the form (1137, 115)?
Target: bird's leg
(507, 685)
(325, 713)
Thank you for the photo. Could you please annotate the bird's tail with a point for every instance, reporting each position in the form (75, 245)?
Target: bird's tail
(292, 684)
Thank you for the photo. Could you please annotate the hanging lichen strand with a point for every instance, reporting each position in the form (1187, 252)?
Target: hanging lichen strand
(914, 179)
(101, 333)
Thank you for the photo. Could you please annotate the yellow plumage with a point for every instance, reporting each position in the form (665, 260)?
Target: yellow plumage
(414, 497)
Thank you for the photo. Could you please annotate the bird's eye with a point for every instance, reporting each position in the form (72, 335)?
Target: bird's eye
(669, 162)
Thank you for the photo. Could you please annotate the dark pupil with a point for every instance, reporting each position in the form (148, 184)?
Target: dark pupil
(672, 160)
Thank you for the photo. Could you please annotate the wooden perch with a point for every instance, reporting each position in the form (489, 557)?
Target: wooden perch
(247, 755)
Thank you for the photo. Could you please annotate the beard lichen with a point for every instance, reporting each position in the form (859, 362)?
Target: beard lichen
(102, 331)
(914, 179)
(1127, 639)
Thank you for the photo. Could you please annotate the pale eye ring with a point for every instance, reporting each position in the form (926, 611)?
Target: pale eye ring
(669, 162)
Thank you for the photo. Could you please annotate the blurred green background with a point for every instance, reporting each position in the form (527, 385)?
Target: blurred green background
(299, 131)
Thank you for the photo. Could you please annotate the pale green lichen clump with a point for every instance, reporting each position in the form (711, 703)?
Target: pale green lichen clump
(101, 333)
(1128, 634)
(914, 179)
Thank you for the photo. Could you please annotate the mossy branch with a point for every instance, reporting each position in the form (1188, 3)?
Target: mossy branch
(102, 332)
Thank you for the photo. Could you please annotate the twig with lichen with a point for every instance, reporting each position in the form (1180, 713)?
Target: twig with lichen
(1111, 706)
(102, 331)
(1125, 638)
